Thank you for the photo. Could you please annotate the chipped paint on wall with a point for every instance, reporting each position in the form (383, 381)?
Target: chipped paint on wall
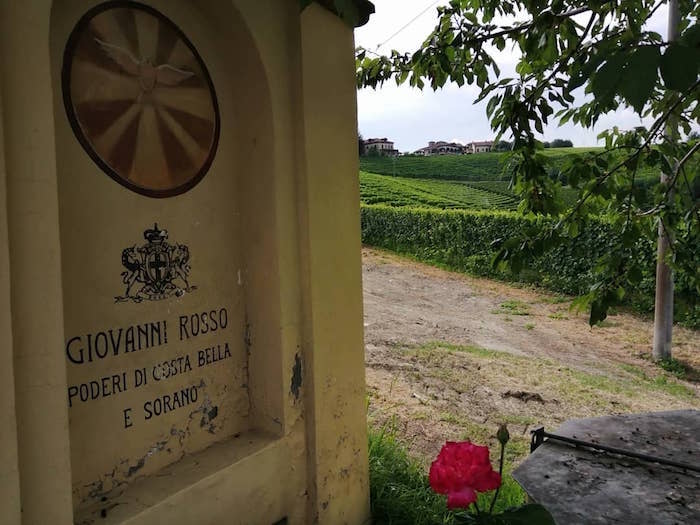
(296, 377)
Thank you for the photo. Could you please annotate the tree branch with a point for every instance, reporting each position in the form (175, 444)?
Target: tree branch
(687, 157)
(564, 60)
(652, 133)
(523, 27)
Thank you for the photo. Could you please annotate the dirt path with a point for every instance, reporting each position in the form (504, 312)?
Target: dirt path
(450, 357)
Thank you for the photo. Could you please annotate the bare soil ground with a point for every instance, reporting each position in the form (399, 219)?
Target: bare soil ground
(451, 357)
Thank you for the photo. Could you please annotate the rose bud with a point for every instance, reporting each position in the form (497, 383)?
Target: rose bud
(503, 435)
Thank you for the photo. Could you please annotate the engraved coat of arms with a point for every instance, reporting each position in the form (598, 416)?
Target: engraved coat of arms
(155, 270)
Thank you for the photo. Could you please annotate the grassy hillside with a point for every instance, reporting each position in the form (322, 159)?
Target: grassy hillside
(471, 168)
(442, 194)
(562, 152)
(476, 167)
(434, 198)
(481, 166)
(483, 171)
(430, 193)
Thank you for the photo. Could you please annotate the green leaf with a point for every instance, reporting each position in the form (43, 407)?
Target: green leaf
(573, 229)
(634, 275)
(577, 81)
(679, 66)
(640, 76)
(516, 264)
(599, 311)
(605, 81)
(691, 36)
(538, 125)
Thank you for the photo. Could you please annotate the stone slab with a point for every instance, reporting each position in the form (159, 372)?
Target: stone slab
(584, 486)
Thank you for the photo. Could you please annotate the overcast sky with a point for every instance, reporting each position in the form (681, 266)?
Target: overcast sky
(411, 117)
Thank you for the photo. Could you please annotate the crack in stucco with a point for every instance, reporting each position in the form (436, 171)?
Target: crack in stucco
(248, 343)
(296, 377)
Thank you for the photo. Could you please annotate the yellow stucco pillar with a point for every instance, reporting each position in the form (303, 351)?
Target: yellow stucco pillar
(331, 253)
(35, 264)
(290, 140)
(9, 472)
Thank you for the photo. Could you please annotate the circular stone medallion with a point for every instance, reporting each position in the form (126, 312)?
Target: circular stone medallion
(140, 99)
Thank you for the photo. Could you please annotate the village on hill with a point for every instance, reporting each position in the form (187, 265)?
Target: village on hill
(385, 147)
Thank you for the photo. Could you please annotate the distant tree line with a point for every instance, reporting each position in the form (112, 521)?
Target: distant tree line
(502, 145)
(559, 143)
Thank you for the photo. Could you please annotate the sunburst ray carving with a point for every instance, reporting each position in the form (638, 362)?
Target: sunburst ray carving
(140, 99)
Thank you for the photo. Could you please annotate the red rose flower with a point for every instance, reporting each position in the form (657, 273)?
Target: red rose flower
(460, 471)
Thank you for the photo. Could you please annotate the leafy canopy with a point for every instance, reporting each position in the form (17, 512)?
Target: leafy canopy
(579, 61)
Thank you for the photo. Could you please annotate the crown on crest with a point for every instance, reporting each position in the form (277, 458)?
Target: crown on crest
(155, 235)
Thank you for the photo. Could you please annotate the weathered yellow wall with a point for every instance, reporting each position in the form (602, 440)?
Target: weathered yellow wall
(206, 219)
(9, 473)
(304, 454)
(35, 263)
(331, 244)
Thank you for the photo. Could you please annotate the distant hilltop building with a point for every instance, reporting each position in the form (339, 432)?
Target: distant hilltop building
(441, 147)
(479, 147)
(454, 148)
(382, 146)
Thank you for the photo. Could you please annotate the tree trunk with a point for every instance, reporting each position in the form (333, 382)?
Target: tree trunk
(663, 306)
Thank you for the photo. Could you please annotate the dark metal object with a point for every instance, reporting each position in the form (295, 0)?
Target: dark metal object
(539, 435)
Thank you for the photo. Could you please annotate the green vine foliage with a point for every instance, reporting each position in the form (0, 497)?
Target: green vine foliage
(464, 240)
(602, 52)
(355, 13)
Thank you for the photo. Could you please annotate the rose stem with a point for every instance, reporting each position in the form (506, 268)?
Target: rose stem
(500, 473)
